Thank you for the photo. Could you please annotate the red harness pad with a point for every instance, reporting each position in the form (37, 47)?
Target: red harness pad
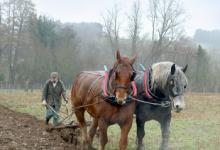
(146, 85)
(134, 88)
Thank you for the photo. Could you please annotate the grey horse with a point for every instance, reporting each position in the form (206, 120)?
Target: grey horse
(161, 88)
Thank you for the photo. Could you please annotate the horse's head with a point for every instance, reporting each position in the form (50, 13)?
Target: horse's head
(176, 85)
(170, 80)
(121, 76)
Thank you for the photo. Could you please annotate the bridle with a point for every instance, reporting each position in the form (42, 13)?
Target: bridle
(120, 86)
(117, 85)
(109, 95)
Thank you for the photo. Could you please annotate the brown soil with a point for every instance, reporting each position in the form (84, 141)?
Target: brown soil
(19, 131)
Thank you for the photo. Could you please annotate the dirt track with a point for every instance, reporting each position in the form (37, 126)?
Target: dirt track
(20, 131)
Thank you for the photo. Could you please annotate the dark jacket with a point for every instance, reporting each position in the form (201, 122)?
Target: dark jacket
(52, 95)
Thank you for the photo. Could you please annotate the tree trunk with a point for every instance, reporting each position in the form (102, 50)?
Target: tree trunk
(10, 43)
(1, 33)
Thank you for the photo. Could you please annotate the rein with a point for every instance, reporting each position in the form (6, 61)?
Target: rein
(162, 104)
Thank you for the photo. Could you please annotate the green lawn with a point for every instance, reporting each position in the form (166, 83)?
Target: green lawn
(196, 128)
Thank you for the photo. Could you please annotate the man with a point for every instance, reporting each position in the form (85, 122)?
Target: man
(51, 97)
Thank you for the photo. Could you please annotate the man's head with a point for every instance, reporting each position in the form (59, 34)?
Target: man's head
(54, 76)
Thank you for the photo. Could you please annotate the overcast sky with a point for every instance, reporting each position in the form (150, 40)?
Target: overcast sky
(204, 14)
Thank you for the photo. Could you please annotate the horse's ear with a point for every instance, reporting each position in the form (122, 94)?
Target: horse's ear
(133, 59)
(118, 56)
(185, 68)
(173, 69)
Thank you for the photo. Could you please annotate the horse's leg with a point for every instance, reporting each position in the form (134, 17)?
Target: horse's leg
(82, 122)
(125, 128)
(103, 139)
(140, 134)
(165, 131)
(92, 131)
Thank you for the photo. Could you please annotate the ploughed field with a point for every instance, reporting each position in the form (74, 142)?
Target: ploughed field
(25, 132)
(22, 125)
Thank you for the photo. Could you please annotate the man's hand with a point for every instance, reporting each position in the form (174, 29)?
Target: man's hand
(44, 103)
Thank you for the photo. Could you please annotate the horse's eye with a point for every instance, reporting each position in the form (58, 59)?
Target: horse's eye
(184, 86)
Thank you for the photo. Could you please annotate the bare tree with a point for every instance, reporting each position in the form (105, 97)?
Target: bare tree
(17, 13)
(112, 27)
(0, 31)
(167, 17)
(0, 13)
(153, 4)
(135, 24)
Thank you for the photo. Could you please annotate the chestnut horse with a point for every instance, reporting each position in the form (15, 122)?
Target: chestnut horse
(86, 96)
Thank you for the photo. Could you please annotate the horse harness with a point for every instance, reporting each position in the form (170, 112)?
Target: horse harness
(149, 96)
